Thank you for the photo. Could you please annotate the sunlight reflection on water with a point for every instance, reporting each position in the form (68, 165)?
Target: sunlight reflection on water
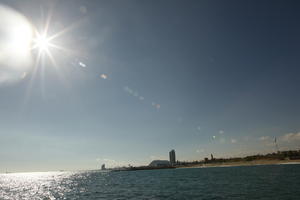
(41, 185)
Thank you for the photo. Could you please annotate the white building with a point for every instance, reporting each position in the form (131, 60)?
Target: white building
(159, 163)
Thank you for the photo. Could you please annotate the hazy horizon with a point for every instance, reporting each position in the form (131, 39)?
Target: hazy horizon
(124, 82)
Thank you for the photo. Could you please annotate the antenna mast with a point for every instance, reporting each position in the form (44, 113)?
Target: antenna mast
(276, 145)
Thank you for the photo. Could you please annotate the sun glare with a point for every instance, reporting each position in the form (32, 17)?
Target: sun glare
(25, 48)
(42, 43)
(15, 50)
(21, 36)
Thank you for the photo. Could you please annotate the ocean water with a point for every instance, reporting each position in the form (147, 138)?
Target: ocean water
(252, 182)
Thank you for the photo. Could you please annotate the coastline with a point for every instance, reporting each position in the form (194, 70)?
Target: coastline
(215, 164)
(242, 163)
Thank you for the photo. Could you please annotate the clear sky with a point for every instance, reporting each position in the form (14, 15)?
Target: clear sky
(132, 80)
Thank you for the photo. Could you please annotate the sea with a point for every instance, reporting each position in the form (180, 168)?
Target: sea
(244, 182)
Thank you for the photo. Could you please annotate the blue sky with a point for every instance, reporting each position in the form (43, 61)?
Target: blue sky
(139, 78)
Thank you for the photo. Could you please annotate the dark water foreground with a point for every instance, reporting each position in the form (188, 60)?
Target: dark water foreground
(253, 182)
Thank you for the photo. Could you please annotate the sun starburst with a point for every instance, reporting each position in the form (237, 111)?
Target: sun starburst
(41, 42)
(44, 46)
(50, 50)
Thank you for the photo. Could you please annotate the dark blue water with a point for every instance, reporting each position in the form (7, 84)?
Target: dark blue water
(253, 182)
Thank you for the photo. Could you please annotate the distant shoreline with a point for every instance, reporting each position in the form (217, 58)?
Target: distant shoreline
(215, 164)
(241, 163)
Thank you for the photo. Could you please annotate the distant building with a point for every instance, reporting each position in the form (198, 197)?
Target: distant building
(103, 167)
(159, 163)
(172, 157)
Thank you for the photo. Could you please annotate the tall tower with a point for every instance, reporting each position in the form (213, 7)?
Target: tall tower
(172, 157)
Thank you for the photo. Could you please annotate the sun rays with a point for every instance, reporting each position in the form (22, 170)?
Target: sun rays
(49, 51)
(44, 45)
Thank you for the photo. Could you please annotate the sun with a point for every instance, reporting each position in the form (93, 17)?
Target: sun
(44, 46)
(42, 43)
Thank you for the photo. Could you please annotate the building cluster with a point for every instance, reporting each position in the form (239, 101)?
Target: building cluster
(173, 163)
(165, 163)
